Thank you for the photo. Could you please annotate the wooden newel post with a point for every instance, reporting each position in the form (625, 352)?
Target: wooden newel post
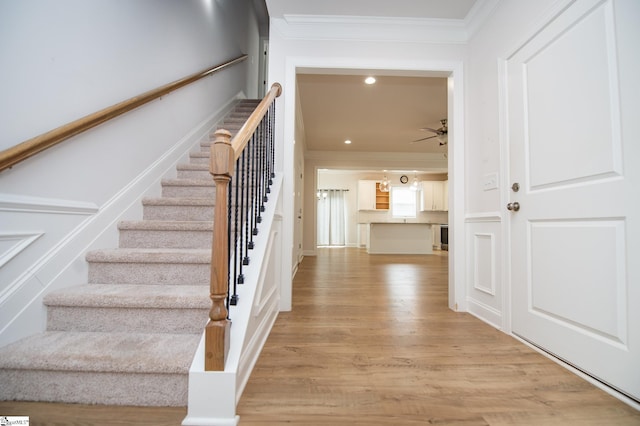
(217, 330)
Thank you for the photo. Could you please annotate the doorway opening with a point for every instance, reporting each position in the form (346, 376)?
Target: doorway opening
(296, 127)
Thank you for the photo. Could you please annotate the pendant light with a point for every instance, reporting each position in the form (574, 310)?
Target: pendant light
(384, 185)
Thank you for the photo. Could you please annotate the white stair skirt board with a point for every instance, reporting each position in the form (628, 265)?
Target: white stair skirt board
(214, 395)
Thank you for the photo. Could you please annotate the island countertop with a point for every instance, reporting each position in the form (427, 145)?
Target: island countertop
(400, 238)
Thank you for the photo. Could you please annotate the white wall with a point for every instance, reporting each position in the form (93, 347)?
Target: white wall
(486, 153)
(69, 58)
(315, 45)
(302, 42)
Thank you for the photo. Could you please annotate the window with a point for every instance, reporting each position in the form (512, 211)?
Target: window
(403, 201)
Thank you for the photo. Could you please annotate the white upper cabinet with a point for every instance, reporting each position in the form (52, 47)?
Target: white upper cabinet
(434, 196)
(366, 195)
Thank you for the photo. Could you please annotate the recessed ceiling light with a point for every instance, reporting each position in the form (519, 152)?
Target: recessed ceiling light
(347, 141)
(370, 80)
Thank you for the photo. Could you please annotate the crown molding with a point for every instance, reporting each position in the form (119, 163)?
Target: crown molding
(385, 29)
(361, 28)
(478, 15)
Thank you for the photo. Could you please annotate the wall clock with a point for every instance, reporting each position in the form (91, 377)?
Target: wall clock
(404, 179)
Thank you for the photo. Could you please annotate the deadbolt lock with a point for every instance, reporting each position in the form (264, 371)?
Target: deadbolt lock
(515, 187)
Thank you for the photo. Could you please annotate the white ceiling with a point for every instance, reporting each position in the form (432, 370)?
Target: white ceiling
(383, 117)
(428, 9)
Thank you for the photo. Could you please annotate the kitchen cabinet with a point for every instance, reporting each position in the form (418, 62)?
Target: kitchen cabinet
(434, 194)
(370, 197)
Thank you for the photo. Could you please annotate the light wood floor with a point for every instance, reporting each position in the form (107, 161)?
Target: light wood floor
(370, 341)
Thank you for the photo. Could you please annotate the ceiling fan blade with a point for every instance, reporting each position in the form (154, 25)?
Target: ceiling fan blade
(429, 129)
(424, 139)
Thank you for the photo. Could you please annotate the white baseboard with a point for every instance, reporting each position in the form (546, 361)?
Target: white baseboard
(485, 313)
(210, 421)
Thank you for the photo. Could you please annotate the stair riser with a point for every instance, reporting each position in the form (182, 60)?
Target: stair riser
(194, 174)
(208, 192)
(159, 212)
(149, 273)
(161, 390)
(234, 122)
(177, 213)
(147, 320)
(201, 174)
(132, 238)
(232, 127)
(189, 191)
(200, 157)
(242, 112)
(195, 159)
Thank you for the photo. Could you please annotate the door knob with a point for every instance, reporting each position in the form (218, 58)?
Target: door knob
(514, 207)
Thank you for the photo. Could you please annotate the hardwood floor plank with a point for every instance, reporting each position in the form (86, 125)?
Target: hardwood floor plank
(371, 341)
(48, 414)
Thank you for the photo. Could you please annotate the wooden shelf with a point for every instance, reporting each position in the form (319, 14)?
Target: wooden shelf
(382, 198)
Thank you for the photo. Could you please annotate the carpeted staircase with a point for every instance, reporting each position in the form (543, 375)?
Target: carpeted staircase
(129, 336)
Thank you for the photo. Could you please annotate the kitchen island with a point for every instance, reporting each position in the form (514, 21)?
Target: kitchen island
(400, 238)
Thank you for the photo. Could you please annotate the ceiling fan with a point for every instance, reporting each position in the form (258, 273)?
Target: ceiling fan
(440, 134)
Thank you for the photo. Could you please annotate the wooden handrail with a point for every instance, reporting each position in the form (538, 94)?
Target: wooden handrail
(26, 149)
(241, 138)
(224, 153)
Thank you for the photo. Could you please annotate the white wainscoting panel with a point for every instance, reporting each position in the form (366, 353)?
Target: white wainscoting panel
(484, 254)
(13, 243)
(484, 267)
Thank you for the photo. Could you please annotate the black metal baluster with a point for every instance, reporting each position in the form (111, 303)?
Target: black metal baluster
(271, 138)
(254, 189)
(263, 164)
(231, 298)
(246, 220)
(240, 202)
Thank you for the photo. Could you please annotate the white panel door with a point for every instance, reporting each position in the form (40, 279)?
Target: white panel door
(574, 138)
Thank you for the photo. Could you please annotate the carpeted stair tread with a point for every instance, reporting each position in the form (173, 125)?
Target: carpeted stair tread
(194, 170)
(102, 352)
(188, 182)
(166, 233)
(202, 157)
(179, 201)
(132, 296)
(166, 225)
(196, 167)
(149, 255)
(179, 208)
